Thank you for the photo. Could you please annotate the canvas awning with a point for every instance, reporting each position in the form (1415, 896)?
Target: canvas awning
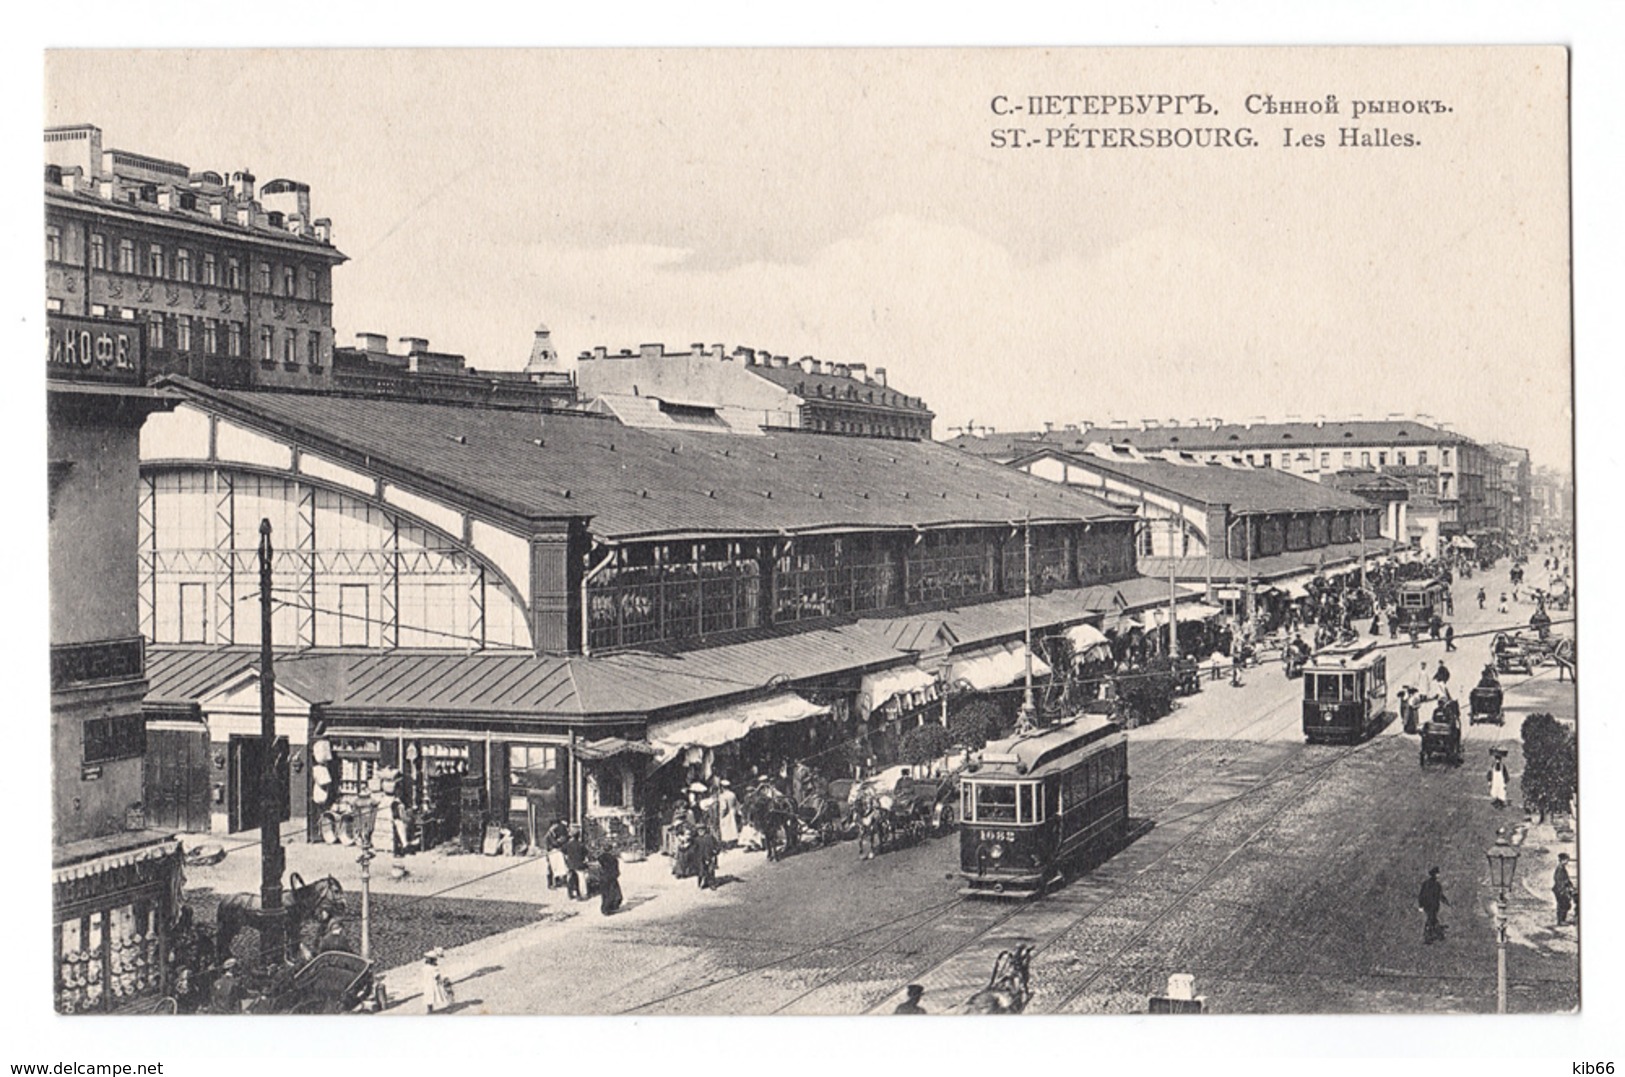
(879, 689)
(994, 667)
(722, 725)
(1462, 542)
(613, 746)
(1084, 637)
(1293, 588)
(1198, 611)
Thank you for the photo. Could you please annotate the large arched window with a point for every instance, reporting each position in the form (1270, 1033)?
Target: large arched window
(346, 572)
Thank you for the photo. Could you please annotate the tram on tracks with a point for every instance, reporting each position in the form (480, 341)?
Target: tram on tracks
(1034, 803)
(1345, 694)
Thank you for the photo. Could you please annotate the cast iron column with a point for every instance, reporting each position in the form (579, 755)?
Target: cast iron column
(272, 935)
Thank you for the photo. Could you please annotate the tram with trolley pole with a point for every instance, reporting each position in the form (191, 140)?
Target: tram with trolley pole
(1345, 694)
(1035, 803)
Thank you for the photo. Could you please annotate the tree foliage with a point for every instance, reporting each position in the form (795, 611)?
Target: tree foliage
(1550, 764)
(1148, 691)
(974, 722)
(925, 743)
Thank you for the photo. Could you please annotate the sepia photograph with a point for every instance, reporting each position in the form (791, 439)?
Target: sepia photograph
(810, 531)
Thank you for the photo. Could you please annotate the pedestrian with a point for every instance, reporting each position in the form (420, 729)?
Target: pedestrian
(226, 995)
(1376, 624)
(1430, 901)
(727, 815)
(912, 1003)
(1502, 608)
(705, 857)
(1449, 637)
(575, 863)
(554, 840)
(1481, 598)
(1563, 890)
(1413, 630)
(1435, 623)
(1441, 675)
(437, 992)
(609, 882)
(1497, 778)
(1449, 604)
(1393, 624)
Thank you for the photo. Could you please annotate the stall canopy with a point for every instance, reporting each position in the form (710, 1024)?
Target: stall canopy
(1085, 637)
(718, 726)
(1462, 542)
(1198, 611)
(613, 746)
(879, 689)
(1294, 586)
(994, 667)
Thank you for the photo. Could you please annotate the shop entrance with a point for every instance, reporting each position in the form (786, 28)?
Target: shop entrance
(246, 761)
(177, 786)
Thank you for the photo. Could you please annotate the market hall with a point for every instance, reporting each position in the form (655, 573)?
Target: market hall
(521, 616)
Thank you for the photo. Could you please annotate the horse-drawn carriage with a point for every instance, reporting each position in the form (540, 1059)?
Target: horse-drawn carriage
(1294, 656)
(1441, 735)
(1515, 652)
(331, 982)
(1484, 704)
(879, 811)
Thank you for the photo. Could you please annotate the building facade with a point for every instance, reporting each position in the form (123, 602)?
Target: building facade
(772, 390)
(417, 373)
(228, 283)
(1459, 467)
(115, 882)
(541, 615)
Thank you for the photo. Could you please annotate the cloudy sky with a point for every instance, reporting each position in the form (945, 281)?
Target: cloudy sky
(851, 206)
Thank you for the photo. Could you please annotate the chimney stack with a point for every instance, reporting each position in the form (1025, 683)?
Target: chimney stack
(372, 343)
(651, 351)
(415, 344)
(858, 370)
(243, 184)
(808, 365)
(880, 376)
(324, 229)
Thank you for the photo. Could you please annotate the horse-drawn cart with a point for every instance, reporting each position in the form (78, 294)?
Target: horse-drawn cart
(1484, 705)
(1441, 735)
(331, 982)
(1514, 653)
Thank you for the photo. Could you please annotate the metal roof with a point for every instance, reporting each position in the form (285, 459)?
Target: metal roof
(1253, 489)
(609, 687)
(1224, 436)
(648, 483)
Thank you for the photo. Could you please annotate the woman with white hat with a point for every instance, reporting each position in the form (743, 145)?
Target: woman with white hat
(437, 993)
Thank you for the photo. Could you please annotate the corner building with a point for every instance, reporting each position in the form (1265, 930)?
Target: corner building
(228, 284)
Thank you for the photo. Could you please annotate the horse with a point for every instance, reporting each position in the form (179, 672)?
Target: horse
(1008, 990)
(822, 815)
(305, 901)
(1563, 654)
(775, 816)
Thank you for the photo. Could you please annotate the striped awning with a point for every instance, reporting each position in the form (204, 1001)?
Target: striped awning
(879, 689)
(723, 725)
(994, 667)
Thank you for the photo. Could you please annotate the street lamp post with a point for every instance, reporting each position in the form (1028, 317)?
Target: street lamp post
(366, 815)
(1503, 860)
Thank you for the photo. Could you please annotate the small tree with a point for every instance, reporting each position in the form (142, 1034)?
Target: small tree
(974, 722)
(1550, 764)
(925, 744)
(1149, 690)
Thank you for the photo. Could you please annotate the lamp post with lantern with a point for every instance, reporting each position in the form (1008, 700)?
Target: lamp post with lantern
(1503, 861)
(366, 816)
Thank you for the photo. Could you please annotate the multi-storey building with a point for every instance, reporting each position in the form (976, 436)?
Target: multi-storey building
(1308, 449)
(228, 284)
(539, 604)
(1512, 490)
(421, 374)
(1551, 495)
(114, 881)
(753, 387)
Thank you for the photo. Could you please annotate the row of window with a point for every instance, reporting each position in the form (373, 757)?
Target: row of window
(885, 430)
(190, 267)
(1401, 458)
(184, 333)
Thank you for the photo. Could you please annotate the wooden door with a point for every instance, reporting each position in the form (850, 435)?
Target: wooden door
(244, 808)
(177, 779)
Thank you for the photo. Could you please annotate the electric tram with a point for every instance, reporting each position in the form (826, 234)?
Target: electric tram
(1034, 802)
(1345, 694)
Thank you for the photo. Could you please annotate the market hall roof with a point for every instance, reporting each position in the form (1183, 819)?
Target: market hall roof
(1244, 489)
(1210, 437)
(636, 483)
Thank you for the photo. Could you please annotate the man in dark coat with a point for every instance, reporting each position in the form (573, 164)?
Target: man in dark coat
(1449, 637)
(705, 857)
(1430, 900)
(912, 1003)
(1563, 889)
(575, 862)
(609, 882)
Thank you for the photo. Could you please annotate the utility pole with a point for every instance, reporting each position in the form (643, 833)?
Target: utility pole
(1029, 712)
(271, 928)
(1173, 594)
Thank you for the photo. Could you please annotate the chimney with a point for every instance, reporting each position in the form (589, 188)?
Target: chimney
(274, 219)
(107, 188)
(324, 229)
(858, 370)
(697, 350)
(651, 351)
(600, 352)
(1173, 422)
(1049, 427)
(716, 352)
(880, 376)
(842, 370)
(372, 343)
(1320, 421)
(415, 344)
(243, 184)
(1149, 424)
(780, 362)
(808, 365)
(1215, 422)
(296, 224)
